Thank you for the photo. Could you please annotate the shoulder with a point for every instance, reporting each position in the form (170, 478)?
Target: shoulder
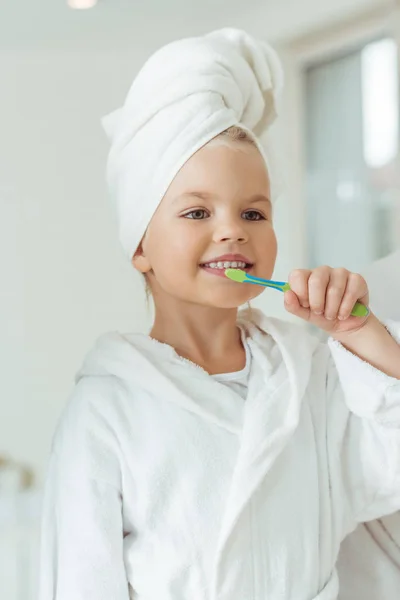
(91, 411)
(94, 395)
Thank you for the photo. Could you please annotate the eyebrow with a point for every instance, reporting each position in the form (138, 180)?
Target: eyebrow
(207, 195)
(259, 198)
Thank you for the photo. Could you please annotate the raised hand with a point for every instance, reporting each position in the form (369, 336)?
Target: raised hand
(325, 297)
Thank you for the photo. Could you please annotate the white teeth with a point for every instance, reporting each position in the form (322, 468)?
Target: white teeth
(226, 265)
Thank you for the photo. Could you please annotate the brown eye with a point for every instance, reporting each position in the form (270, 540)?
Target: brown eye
(197, 214)
(254, 215)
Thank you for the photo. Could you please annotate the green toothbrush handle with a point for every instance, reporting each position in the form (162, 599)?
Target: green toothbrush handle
(359, 310)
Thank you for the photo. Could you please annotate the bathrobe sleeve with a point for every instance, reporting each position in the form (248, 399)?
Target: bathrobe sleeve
(363, 435)
(82, 529)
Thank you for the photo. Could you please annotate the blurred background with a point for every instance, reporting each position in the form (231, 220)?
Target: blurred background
(64, 278)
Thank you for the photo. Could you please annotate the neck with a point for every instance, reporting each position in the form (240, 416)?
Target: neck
(204, 335)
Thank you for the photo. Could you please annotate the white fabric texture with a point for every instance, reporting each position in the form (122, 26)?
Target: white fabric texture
(369, 560)
(164, 483)
(187, 93)
(239, 380)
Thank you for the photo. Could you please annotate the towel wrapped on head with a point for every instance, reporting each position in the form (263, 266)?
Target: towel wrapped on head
(186, 94)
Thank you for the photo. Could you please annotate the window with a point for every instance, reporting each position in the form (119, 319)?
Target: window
(353, 171)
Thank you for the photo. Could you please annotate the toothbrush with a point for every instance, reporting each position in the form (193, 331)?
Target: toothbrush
(359, 310)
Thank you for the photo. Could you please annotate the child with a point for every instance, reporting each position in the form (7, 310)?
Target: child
(222, 456)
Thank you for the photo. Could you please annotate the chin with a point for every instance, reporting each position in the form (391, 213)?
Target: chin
(230, 301)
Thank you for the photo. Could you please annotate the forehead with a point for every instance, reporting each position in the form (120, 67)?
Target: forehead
(236, 168)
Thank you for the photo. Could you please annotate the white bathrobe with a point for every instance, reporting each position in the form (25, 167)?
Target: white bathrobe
(164, 484)
(369, 560)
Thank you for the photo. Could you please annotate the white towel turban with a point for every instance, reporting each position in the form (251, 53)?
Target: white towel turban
(187, 93)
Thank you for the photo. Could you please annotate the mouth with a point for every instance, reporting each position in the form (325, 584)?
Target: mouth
(219, 267)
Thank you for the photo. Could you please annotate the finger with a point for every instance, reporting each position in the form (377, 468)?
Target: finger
(335, 292)
(298, 281)
(356, 289)
(317, 285)
(292, 305)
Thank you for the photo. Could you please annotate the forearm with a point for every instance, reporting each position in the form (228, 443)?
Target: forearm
(374, 345)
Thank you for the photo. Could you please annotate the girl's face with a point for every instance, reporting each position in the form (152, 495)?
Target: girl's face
(217, 205)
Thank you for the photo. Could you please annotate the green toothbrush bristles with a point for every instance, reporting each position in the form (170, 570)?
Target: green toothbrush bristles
(236, 275)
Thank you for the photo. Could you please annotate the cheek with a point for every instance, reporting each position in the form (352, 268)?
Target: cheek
(274, 244)
(177, 244)
(182, 241)
(181, 250)
(270, 243)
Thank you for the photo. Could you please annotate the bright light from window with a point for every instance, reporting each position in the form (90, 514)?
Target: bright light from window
(380, 102)
(81, 4)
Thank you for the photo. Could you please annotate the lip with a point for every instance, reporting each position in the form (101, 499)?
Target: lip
(230, 258)
(223, 258)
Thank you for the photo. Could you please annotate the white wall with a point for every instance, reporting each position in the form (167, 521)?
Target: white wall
(64, 278)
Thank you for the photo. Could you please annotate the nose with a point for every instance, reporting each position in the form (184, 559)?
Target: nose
(230, 229)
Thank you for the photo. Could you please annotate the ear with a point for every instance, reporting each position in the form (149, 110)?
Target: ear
(139, 260)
